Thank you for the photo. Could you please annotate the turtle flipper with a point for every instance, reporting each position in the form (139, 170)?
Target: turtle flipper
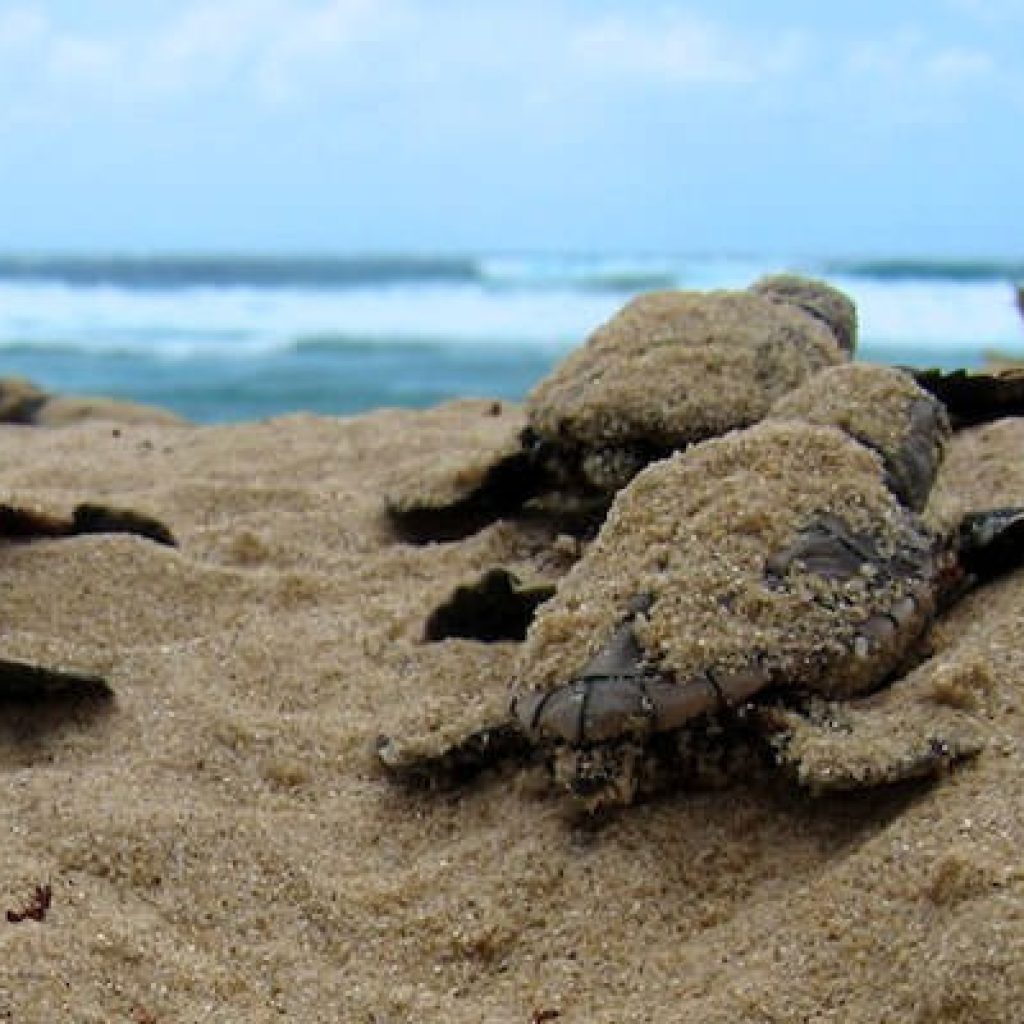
(92, 518)
(457, 500)
(449, 717)
(409, 761)
(22, 524)
(24, 682)
(990, 543)
(914, 729)
(972, 398)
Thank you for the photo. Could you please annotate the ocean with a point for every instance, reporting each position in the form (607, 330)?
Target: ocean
(229, 338)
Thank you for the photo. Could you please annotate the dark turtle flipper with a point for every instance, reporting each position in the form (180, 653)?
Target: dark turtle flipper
(25, 682)
(972, 398)
(618, 693)
(88, 518)
(26, 524)
(914, 729)
(990, 543)
(448, 717)
(502, 491)
(912, 464)
(455, 764)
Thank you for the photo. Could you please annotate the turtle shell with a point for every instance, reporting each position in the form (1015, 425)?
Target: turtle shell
(713, 555)
(673, 368)
(885, 409)
(670, 369)
(820, 300)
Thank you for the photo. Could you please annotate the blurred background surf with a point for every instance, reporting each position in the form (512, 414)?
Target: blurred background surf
(229, 338)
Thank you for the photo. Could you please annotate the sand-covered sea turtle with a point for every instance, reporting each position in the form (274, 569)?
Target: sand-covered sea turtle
(770, 577)
(24, 403)
(670, 369)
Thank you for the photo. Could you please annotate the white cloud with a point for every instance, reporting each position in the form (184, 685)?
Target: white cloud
(23, 32)
(959, 64)
(682, 49)
(989, 12)
(203, 45)
(450, 59)
(304, 46)
(913, 79)
(266, 43)
(283, 50)
(263, 46)
(78, 61)
(908, 57)
(20, 27)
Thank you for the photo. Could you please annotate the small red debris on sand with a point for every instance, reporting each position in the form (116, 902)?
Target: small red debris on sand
(36, 909)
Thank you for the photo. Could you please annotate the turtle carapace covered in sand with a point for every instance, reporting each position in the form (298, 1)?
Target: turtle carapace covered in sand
(776, 581)
(670, 369)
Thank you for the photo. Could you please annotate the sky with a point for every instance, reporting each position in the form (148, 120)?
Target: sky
(881, 128)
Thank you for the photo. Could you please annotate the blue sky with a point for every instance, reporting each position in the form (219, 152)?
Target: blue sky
(799, 128)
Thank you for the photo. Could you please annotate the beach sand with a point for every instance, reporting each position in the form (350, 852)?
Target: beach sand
(220, 846)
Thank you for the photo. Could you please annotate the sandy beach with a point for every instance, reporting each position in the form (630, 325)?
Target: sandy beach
(220, 846)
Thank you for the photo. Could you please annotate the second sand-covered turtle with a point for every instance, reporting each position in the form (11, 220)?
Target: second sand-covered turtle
(778, 578)
(670, 369)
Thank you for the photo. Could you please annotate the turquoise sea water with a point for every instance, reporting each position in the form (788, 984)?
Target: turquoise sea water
(223, 338)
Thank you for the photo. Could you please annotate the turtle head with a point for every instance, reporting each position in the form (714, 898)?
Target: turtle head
(596, 725)
(599, 726)
(603, 775)
(605, 699)
(821, 300)
(594, 732)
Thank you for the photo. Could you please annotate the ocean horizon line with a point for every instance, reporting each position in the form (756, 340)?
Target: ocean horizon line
(598, 270)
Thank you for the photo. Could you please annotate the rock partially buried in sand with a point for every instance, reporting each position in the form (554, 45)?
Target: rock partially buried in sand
(765, 579)
(670, 369)
(22, 402)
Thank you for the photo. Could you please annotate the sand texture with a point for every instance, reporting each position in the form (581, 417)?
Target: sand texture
(220, 847)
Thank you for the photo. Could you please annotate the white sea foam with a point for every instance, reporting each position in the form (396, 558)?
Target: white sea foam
(936, 314)
(241, 321)
(526, 304)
